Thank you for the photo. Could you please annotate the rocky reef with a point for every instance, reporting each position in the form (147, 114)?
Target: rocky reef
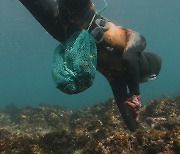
(97, 129)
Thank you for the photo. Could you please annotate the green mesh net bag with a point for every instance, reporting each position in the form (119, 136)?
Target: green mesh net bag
(74, 63)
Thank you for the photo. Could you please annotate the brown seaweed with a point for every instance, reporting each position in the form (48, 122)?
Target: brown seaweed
(99, 129)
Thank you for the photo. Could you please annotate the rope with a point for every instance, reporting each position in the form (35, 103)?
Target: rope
(100, 11)
(97, 12)
(91, 21)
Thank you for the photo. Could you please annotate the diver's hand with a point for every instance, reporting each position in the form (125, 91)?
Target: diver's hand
(133, 104)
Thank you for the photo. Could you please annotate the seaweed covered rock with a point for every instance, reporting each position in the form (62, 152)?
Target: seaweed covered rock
(34, 122)
(94, 129)
(163, 113)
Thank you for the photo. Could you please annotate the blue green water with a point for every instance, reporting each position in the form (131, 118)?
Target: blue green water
(26, 51)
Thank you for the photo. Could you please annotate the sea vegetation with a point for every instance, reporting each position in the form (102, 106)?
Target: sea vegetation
(97, 129)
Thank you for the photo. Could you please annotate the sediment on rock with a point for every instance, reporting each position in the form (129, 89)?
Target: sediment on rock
(94, 129)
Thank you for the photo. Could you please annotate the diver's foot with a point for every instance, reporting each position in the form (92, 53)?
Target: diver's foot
(133, 105)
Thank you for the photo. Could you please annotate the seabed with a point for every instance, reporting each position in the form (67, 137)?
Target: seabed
(97, 129)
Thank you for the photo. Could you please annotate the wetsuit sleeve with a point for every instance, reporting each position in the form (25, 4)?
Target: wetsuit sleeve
(136, 43)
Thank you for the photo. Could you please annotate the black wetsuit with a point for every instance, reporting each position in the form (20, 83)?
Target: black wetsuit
(56, 17)
(140, 66)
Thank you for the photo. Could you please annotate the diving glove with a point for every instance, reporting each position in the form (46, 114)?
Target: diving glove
(133, 105)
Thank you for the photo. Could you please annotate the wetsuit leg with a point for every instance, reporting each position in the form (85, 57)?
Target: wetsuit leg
(55, 15)
(46, 13)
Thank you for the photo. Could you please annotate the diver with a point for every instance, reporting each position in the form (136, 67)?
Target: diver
(121, 56)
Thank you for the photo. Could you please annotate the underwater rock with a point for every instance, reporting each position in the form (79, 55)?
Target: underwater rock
(50, 129)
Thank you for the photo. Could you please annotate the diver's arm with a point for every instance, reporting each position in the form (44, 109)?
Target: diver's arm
(130, 59)
(119, 89)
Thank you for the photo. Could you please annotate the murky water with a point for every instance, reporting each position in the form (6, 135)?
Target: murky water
(26, 51)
